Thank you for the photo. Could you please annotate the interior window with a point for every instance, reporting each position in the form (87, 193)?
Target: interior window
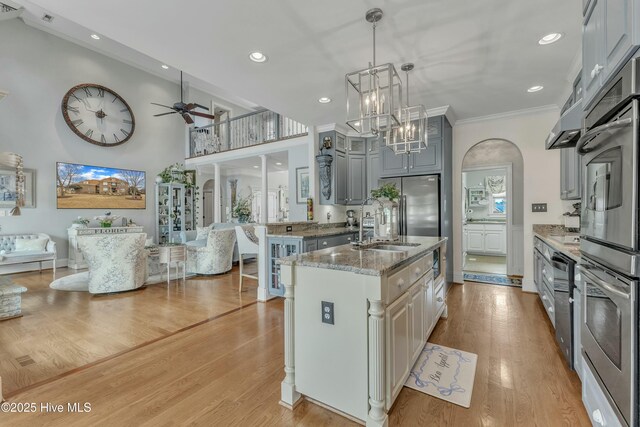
(498, 204)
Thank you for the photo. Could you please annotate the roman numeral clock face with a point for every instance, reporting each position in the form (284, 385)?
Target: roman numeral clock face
(98, 115)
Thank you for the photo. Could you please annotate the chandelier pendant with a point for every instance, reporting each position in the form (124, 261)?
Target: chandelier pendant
(410, 135)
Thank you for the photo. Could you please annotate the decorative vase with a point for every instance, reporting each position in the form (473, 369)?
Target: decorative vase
(105, 224)
(386, 220)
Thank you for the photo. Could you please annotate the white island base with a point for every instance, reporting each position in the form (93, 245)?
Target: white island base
(358, 365)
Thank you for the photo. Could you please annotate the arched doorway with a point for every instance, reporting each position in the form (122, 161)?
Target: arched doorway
(207, 202)
(493, 213)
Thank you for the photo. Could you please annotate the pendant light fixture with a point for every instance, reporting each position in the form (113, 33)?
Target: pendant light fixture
(374, 94)
(410, 136)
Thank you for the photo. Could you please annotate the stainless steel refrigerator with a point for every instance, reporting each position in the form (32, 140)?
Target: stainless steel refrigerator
(419, 204)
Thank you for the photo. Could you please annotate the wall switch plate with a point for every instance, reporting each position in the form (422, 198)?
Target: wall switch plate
(538, 207)
(289, 228)
(327, 313)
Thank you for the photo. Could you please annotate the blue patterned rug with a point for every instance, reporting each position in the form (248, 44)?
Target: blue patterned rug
(445, 373)
(493, 279)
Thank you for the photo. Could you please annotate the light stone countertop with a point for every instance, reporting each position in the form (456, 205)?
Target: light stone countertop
(545, 231)
(317, 232)
(370, 263)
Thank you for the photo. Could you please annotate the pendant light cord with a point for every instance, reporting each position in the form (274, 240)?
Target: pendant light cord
(374, 44)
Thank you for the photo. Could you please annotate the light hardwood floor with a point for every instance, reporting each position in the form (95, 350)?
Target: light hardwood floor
(227, 371)
(61, 331)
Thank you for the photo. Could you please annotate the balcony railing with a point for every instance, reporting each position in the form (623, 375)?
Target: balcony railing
(243, 131)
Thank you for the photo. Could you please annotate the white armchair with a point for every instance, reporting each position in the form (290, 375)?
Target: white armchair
(117, 262)
(216, 257)
(245, 246)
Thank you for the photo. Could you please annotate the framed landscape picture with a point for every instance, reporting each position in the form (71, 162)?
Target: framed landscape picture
(302, 185)
(8, 188)
(94, 187)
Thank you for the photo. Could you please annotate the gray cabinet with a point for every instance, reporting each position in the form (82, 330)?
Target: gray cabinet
(341, 177)
(427, 161)
(310, 245)
(610, 35)
(357, 179)
(570, 174)
(357, 145)
(373, 165)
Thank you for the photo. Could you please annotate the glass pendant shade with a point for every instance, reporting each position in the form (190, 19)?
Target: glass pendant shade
(410, 136)
(374, 97)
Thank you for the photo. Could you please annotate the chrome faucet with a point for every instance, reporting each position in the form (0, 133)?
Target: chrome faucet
(360, 231)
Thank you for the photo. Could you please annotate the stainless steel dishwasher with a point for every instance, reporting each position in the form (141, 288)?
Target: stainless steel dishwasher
(563, 287)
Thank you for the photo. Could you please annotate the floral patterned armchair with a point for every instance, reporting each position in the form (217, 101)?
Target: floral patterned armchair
(117, 262)
(216, 257)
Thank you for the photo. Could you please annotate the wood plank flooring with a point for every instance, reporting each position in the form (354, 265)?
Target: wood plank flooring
(228, 371)
(62, 331)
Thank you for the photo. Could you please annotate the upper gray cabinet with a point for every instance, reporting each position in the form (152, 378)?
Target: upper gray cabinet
(610, 35)
(427, 161)
(357, 145)
(349, 179)
(357, 181)
(570, 174)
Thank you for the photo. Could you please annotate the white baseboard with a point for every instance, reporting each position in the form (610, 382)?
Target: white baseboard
(264, 295)
(32, 266)
(529, 286)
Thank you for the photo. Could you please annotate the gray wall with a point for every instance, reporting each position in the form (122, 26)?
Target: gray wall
(37, 69)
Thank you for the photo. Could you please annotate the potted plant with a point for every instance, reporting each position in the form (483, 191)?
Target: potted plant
(242, 209)
(387, 191)
(80, 222)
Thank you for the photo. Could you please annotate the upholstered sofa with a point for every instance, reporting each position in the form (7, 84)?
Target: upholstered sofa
(27, 248)
(215, 255)
(117, 262)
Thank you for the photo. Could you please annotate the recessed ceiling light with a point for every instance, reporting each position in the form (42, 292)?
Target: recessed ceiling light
(256, 167)
(278, 164)
(550, 38)
(257, 57)
(535, 88)
(95, 36)
(324, 100)
(166, 67)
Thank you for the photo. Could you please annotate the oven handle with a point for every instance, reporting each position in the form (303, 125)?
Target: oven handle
(591, 134)
(601, 283)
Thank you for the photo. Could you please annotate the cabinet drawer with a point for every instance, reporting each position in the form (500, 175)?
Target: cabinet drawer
(418, 268)
(398, 283)
(595, 402)
(548, 302)
(328, 242)
(494, 227)
(438, 299)
(475, 227)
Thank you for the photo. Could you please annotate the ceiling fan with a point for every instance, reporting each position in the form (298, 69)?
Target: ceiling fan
(185, 110)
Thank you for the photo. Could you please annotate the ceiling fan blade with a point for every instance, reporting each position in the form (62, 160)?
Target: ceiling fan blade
(187, 118)
(164, 114)
(165, 106)
(206, 116)
(200, 106)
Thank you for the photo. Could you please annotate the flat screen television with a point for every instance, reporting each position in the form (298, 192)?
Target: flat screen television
(96, 187)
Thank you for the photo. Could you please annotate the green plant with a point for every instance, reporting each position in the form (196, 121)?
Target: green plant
(242, 209)
(81, 221)
(175, 173)
(386, 190)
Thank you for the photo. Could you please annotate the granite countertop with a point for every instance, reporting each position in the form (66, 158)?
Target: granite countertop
(316, 232)
(545, 231)
(370, 263)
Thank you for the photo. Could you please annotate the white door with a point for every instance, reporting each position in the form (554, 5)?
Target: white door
(475, 241)
(272, 205)
(398, 350)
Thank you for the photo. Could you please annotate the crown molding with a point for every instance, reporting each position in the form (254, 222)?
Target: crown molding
(523, 112)
(446, 111)
(337, 127)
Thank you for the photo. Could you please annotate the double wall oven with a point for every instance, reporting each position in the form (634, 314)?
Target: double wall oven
(609, 240)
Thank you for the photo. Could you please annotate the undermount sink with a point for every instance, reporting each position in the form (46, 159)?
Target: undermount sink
(391, 247)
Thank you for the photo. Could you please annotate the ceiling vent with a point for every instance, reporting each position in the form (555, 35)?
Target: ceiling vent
(47, 18)
(9, 10)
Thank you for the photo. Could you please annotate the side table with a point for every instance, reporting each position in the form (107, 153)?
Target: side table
(173, 254)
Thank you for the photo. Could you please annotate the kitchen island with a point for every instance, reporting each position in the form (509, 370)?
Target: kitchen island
(356, 320)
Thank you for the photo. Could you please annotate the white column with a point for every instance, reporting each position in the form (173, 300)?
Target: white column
(289, 396)
(377, 415)
(217, 204)
(264, 197)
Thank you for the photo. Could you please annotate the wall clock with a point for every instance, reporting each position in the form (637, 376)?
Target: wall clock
(98, 115)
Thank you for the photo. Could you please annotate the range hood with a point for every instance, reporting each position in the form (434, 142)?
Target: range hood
(566, 132)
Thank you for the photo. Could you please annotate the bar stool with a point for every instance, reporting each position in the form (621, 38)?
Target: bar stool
(246, 246)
